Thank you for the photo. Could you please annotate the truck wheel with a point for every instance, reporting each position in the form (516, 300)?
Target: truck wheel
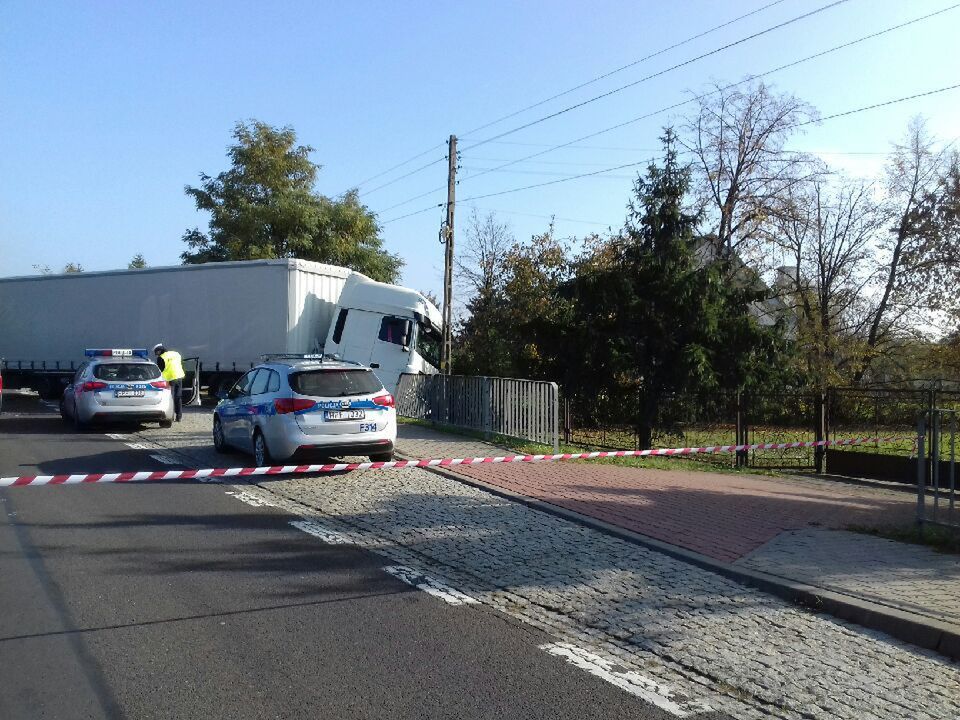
(261, 454)
(219, 442)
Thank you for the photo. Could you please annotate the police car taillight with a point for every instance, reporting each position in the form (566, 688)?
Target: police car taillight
(92, 385)
(289, 405)
(115, 352)
(384, 400)
(160, 384)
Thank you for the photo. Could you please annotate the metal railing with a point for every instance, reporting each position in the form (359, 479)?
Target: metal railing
(524, 409)
(936, 468)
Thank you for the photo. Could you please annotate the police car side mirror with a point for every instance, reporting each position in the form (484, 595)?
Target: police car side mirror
(222, 395)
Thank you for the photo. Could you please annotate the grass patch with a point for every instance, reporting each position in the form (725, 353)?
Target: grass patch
(941, 539)
(721, 463)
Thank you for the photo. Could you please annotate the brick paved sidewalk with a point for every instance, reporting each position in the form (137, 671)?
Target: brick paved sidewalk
(789, 527)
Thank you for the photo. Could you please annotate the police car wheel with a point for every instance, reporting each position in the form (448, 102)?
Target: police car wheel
(219, 443)
(261, 454)
(166, 423)
(78, 424)
(381, 457)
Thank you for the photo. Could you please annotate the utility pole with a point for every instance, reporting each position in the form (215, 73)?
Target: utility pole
(446, 237)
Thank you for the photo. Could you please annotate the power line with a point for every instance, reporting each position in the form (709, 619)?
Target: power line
(628, 165)
(879, 105)
(696, 98)
(720, 49)
(565, 92)
(406, 175)
(537, 215)
(398, 165)
(624, 67)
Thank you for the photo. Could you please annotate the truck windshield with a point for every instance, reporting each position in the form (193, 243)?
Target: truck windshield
(428, 344)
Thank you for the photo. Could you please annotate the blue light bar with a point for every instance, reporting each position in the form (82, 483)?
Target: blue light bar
(116, 352)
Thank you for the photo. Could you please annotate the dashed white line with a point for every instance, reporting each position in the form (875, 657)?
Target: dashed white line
(430, 585)
(117, 436)
(137, 446)
(633, 682)
(319, 531)
(166, 459)
(251, 499)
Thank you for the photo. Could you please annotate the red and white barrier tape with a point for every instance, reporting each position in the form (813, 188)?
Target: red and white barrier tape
(438, 462)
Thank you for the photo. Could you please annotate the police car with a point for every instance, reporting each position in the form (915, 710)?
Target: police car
(117, 384)
(296, 405)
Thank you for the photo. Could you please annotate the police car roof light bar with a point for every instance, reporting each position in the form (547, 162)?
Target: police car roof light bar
(116, 352)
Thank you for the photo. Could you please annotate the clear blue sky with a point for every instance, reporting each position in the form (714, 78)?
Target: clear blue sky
(107, 109)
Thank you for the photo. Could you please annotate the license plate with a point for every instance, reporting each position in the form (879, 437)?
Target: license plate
(128, 393)
(343, 415)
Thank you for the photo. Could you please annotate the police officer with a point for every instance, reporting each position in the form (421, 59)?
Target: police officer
(171, 367)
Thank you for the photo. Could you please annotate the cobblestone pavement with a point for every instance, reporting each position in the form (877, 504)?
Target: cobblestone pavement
(708, 638)
(910, 577)
(774, 525)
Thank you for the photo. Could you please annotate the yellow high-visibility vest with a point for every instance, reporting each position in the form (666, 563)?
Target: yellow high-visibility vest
(172, 365)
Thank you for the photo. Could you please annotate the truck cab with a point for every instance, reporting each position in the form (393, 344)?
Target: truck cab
(393, 330)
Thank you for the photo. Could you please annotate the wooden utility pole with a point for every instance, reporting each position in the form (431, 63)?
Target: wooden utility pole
(446, 352)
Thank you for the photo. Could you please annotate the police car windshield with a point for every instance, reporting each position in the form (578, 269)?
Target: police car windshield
(335, 383)
(126, 372)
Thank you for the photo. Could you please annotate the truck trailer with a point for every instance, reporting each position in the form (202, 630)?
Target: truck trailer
(221, 317)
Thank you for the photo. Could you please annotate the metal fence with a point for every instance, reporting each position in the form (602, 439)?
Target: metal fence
(936, 468)
(524, 409)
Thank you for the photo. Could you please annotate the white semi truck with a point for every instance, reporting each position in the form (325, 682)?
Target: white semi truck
(222, 316)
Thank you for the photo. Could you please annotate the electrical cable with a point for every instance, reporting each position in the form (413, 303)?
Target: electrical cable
(628, 165)
(750, 78)
(720, 49)
(624, 67)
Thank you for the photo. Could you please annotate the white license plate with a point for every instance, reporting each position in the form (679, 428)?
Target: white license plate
(128, 393)
(343, 415)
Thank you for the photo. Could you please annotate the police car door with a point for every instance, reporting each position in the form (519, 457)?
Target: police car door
(234, 412)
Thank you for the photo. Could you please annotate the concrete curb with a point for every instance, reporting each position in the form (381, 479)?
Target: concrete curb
(911, 628)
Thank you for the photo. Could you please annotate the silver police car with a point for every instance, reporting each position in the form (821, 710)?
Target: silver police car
(306, 405)
(117, 384)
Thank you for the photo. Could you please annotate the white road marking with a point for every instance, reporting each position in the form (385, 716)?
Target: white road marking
(117, 436)
(50, 404)
(317, 530)
(251, 499)
(631, 681)
(166, 459)
(137, 446)
(429, 585)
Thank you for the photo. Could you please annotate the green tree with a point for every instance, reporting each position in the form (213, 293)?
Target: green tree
(656, 313)
(137, 263)
(516, 314)
(265, 207)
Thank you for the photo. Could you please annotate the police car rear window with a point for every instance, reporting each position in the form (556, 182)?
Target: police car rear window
(126, 372)
(335, 383)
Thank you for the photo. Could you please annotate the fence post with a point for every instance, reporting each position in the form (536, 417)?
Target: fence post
(921, 467)
(554, 388)
(820, 430)
(741, 457)
(487, 400)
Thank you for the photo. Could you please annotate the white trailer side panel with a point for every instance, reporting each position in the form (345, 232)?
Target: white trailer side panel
(313, 292)
(227, 313)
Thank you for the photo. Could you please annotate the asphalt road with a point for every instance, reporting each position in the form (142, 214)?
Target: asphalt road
(174, 600)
